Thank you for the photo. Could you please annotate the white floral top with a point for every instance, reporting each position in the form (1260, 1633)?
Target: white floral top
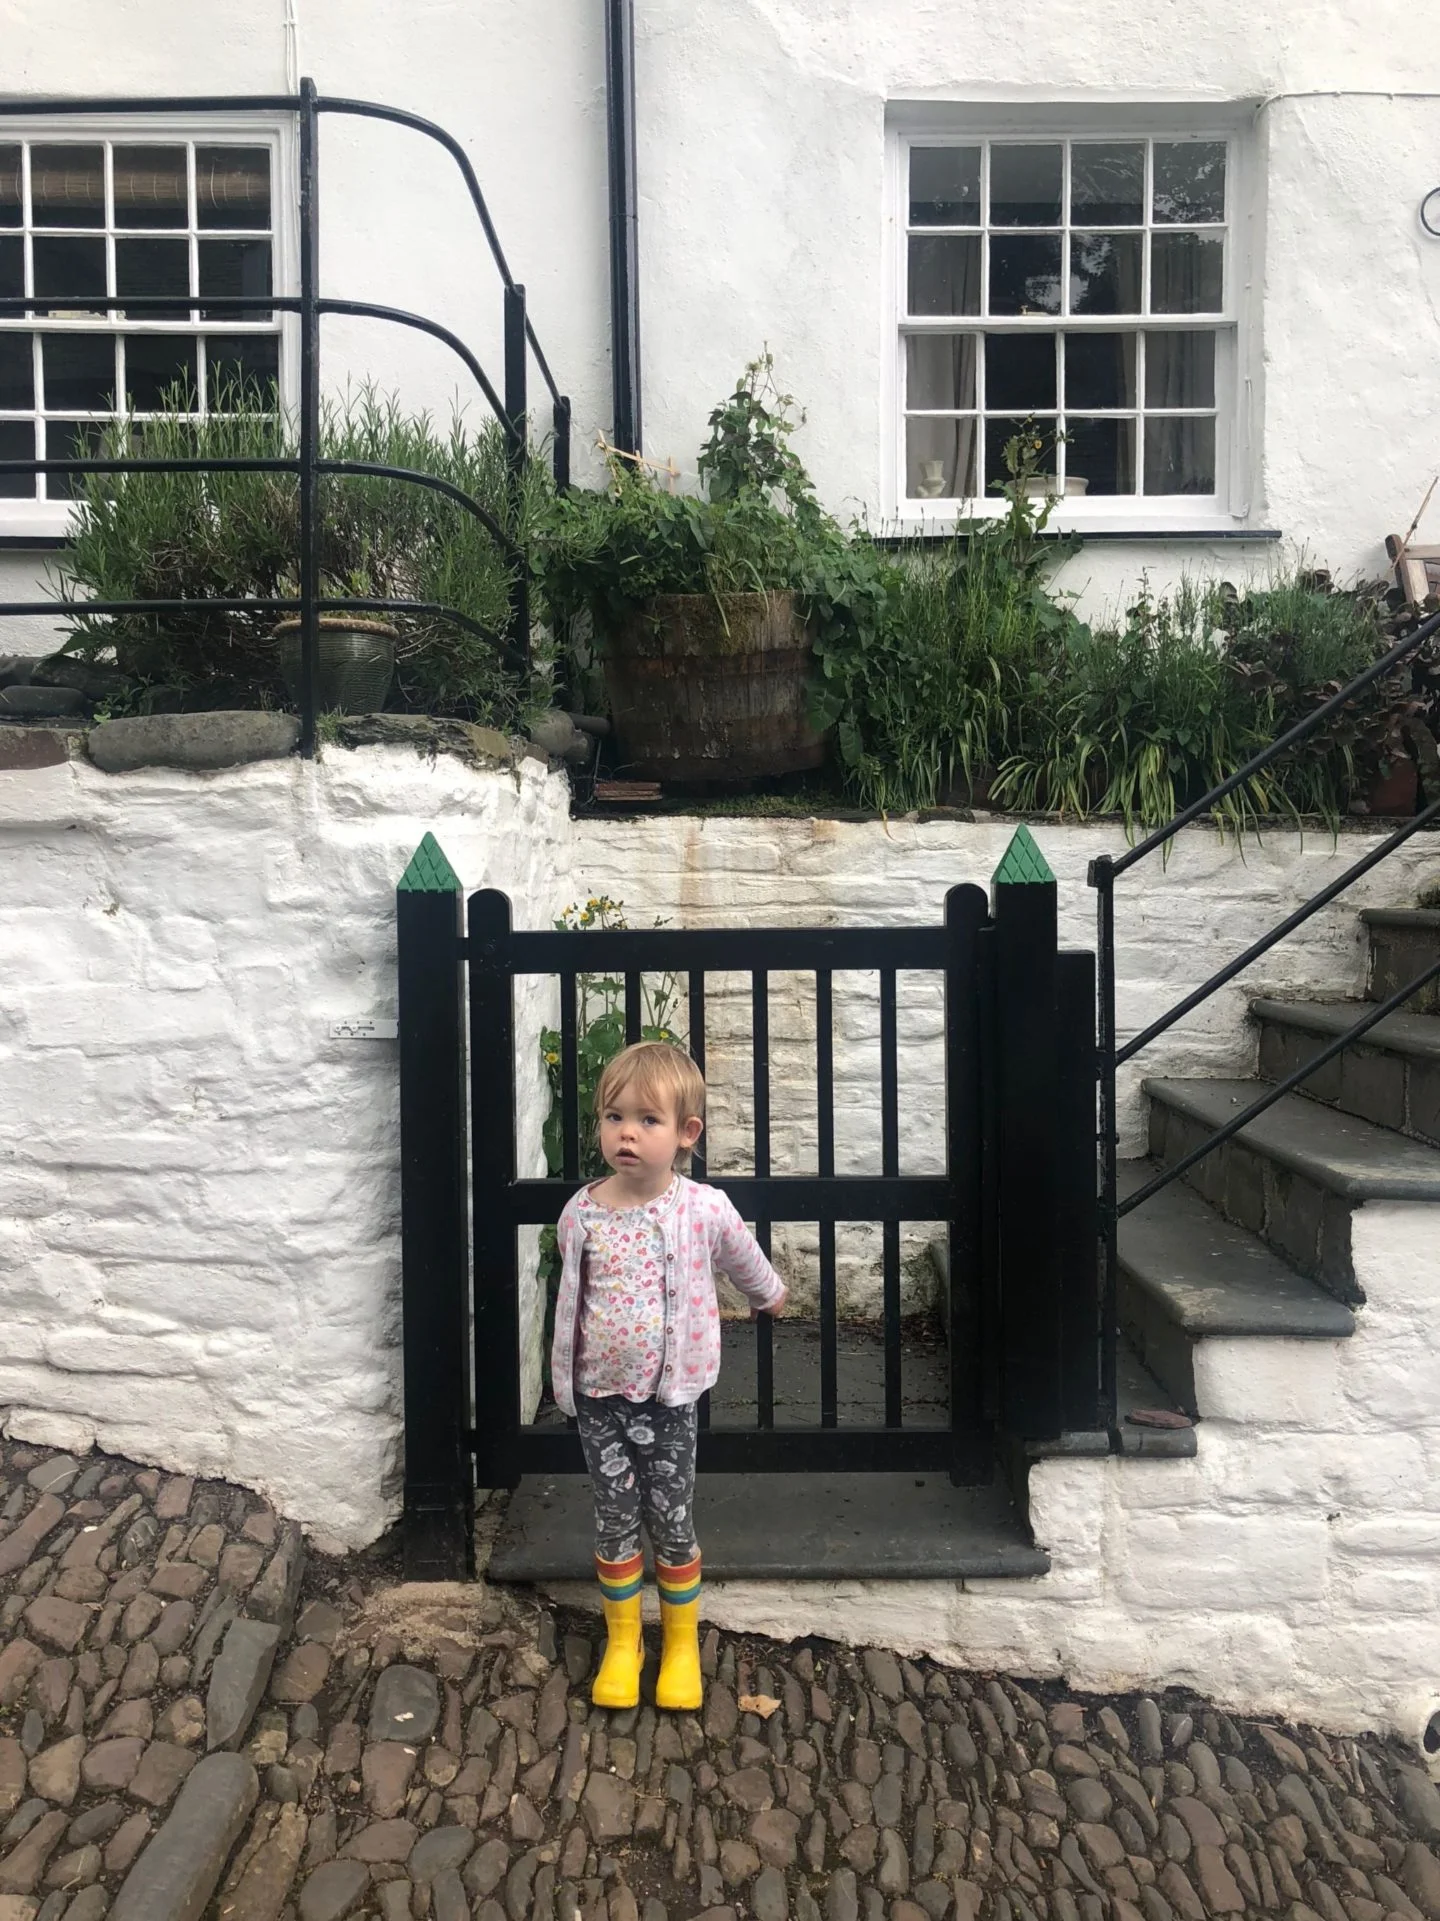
(620, 1342)
(701, 1231)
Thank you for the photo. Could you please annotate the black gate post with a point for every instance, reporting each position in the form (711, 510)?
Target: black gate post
(497, 1277)
(1026, 1037)
(439, 1499)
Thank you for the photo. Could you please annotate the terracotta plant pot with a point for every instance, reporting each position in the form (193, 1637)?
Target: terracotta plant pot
(1395, 792)
(354, 662)
(712, 689)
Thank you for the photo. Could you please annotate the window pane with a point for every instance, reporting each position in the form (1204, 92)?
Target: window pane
(11, 211)
(940, 371)
(70, 440)
(1180, 370)
(79, 373)
(1020, 372)
(68, 269)
(1099, 457)
(155, 367)
(242, 370)
(1024, 273)
(1105, 273)
(151, 188)
(1187, 273)
(1179, 456)
(17, 372)
(1189, 181)
(945, 275)
(940, 459)
(1099, 370)
(67, 186)
(944, 186)
(17, 442)
(12, 266)
(231, 267)
(153, 267)
(232, 186)
(998, 433)
(1107, 183)
(1025, 186)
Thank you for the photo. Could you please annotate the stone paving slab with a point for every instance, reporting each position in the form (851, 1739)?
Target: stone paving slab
(430, 1752)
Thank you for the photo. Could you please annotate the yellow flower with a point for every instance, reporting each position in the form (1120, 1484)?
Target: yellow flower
(552, 1059)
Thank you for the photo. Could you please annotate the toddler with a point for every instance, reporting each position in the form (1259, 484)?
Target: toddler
(637, 1342)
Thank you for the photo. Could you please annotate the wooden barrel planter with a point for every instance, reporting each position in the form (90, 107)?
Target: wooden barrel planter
(713, 689)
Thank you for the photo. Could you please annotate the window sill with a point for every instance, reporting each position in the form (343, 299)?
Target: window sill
(905, 530)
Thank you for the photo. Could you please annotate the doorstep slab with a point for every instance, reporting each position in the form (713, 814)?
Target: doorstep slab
(877, 1527)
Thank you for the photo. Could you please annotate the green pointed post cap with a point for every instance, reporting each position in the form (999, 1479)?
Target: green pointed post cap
(1023, 866)
(429, 872)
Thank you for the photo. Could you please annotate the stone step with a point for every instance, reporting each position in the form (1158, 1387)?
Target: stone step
(1403, 942)
(1295, 1175)
(1187, 1274)
(1391, 1077)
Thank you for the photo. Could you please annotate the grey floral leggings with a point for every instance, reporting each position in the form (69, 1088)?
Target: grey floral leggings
(641, 1458)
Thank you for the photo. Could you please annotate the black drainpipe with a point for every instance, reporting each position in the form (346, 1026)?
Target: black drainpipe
(624, 223)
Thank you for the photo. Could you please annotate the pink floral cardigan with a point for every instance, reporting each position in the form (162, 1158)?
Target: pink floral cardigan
(702, 1231)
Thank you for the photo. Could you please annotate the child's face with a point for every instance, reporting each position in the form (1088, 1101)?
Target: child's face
(640, 1136)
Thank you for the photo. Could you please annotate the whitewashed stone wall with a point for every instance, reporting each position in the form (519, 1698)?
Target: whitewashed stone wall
(199, 1260)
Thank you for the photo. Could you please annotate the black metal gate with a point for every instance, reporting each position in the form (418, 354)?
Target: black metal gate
(1017, 1197)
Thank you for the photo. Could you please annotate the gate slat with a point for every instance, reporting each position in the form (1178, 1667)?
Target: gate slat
(569, 1079)
(492, 1163)
(890, 1166)
(825, 1152)
(632, 1008)
(696, 990)
(760, 1060)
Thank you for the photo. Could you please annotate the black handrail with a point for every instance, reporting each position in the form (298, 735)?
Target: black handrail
(1106, 869)
(310, 305)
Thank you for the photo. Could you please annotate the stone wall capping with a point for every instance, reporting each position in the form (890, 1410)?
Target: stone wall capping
(429, 735)
(202, 743)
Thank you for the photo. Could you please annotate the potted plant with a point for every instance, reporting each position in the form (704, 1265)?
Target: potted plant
(354, 653)
(704, 607)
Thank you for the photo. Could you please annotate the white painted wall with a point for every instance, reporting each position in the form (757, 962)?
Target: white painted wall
(199, 1189)
(761, 167)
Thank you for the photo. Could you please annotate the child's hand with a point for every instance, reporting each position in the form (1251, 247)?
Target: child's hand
(775, 1310)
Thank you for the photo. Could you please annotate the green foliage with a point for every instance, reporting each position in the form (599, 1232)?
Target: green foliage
(228, 535)
(599, 1037)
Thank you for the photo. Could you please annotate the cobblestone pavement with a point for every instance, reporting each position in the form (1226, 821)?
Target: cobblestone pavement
(195, 1722)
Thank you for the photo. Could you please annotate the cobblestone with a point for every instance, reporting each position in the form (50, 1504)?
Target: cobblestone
(391, 1759)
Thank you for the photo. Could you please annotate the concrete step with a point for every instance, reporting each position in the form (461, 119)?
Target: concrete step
(1187, 1274)
(1295, 1175)
(1391, 1077)
(1403, 942)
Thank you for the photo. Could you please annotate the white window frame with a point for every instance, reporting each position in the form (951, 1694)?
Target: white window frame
(48, 520)
(1236, 329)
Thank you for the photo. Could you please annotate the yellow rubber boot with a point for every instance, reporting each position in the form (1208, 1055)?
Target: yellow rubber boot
(680, 1685)
(617, 1685)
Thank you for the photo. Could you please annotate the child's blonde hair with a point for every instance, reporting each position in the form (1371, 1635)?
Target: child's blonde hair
(661, 1074)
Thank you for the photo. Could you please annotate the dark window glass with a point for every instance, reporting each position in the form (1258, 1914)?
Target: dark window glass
(12, 266)
(68, 269)
(944, 274)
(153, 267)
(231, 267)
(11, 200)
(1107, 183)
(160, 372)
(1189, 182)
(1187, 273)
(151, 187)
(1180, 370)
(1099, 457)
(70, 440)
(1179, 456)
(940, 459)
(1105, 272)
(1020, 372)
(940, 371)
(17, 442)
(1025, 186)
(232, 187)
(67, 186)
(1024, 273)
(1099, 370)
(17, 372)
(998, 433)
(242, 371)
(79, 373)
(944, 186)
